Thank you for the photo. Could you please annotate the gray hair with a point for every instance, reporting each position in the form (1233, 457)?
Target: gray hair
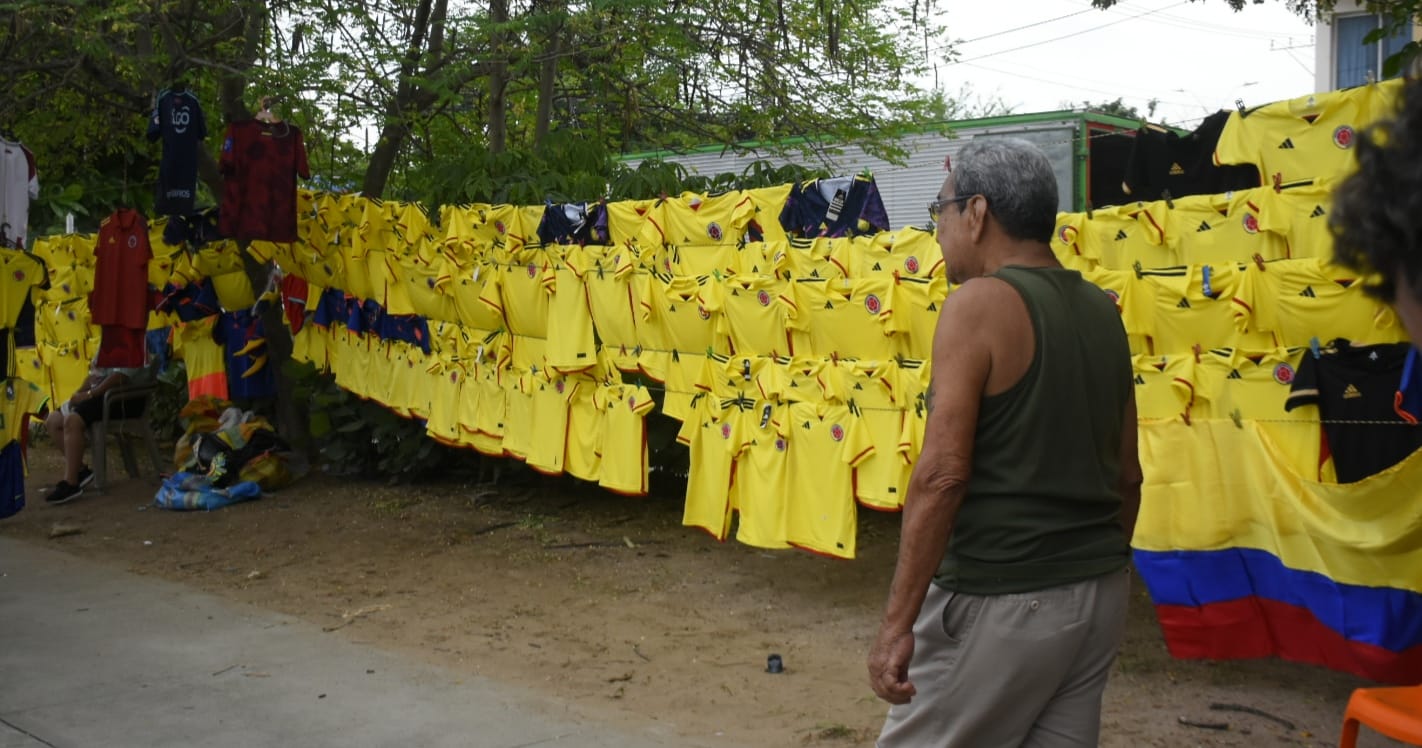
(1017, 181)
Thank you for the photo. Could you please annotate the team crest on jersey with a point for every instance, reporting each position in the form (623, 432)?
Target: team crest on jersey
(19, 275)
(65, 286)
(500, 227)
(133, 242)
(559, 385)
(701, 310)
(632, 403)
(1066, 234)
(453, 376)
(430, 282)
(911, 265)
(1251, 223)
(872, 304)
(725, 431)
(227, 145)
(1343, 137)
(780, 444)
(72, 315)
(713, 230)
(1112, 295)
(763, 298)
(837, 432)
(532, 270)
(1284, 374)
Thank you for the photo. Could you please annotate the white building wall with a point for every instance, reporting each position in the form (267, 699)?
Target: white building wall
(908, 189)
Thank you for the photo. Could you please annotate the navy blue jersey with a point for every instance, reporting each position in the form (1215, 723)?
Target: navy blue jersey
(843, 206)
(248, 376)
(179, 121)
(574, 223)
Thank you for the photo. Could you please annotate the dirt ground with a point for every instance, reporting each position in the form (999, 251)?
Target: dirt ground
(609, 603)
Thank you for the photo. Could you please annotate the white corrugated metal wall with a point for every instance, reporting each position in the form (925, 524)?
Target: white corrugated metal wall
(908, 189)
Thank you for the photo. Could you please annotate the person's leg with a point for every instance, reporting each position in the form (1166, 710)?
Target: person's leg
(74, 428)
(986, 666)
(1073, 717)
(54, 426)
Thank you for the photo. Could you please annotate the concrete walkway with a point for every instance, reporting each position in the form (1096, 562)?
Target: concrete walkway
(93, 656)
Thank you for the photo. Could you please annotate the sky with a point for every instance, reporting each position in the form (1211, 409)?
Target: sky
(1194, 57)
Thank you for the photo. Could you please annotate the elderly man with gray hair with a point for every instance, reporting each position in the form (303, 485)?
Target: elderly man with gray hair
(1008, 601)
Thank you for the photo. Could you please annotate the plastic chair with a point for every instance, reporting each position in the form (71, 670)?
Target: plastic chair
(125, 430)
(1394, 712)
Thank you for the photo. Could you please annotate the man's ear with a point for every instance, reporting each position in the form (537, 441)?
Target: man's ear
(978, 218)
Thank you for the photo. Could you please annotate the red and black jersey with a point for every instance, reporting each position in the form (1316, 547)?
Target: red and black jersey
(260, 162)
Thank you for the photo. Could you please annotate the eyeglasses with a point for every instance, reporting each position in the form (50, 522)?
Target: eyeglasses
(936, 207)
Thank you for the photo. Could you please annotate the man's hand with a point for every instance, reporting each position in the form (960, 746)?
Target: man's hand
(888, 666)
(79, 397)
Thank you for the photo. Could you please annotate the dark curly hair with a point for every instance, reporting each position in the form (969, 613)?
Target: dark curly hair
(1377, 212)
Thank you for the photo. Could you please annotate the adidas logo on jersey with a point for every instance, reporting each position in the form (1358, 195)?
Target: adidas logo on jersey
(1184, 304)
(1351, 393)
(1176, 170)
(1140, 380)
(1287, 145)
(1204, 226)
(1121, 235)
(1234, 374)
(1318, 212)
(1308, 293)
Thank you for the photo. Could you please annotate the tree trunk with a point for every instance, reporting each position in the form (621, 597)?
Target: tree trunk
(499, 78)
(382, 159)
(547, 85)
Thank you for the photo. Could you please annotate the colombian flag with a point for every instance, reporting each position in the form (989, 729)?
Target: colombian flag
(1246, 558)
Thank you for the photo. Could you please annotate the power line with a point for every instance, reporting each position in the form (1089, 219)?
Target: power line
(1078, 86)
(1066, 36)
(1018, 28)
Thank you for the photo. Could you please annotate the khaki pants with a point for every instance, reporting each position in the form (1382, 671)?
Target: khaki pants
(1002, 671)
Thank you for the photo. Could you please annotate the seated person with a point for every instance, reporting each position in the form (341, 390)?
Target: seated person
(69, 424)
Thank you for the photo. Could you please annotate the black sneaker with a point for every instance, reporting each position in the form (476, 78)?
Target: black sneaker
(63, 493)
(86, 476)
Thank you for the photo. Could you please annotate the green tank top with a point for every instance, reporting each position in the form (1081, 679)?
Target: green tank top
(1042, 503)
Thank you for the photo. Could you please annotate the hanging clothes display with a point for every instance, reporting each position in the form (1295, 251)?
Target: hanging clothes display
(843, 206)
(19, 184)
(178, 120)
(259, 164)
(1162, 161)
(120, 300)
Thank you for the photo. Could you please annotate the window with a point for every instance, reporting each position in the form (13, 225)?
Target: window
(1353, 59)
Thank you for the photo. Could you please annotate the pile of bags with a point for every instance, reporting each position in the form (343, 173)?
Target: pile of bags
(226, 455)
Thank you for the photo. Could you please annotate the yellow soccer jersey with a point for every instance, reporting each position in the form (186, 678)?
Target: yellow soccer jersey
(447, 381)
(826, 443)
(64, 323)
(628, 224)
(234, 290)
(490, 416)
(204, 357)
(819, 257)
(744, 378)
(693, 260)
(18, 398)
(217, 258)
(518, 414)
(910, 252)
(1115, 238)
(1133, 300)
(696, 219)
(1165, 386)
(1300, 213)
(526, 277)
(549, 394)
(752, 311)
(1299, 300)
(421, 279)
(760, 480)
(583, 455)
(812, 380)
(917, 302)
(844, 318)
(66, 366)
(571, 344)
(623, 446)
(674, 318)
(608, 277)
(21, 272)
(713, 433)
(767, 203)
(1194, 305)
(1307, 137)
(1254, 385)
(1205, 229)
(881, 481)
(473, 285)
(160, 266)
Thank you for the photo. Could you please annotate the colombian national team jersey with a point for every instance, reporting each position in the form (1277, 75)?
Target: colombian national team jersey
(18, 398)
(826, 443)
(881, 481)
(473, 284)
(586, 432)
(820, 257)
(713, 432)
(673, 318)
(765, 220)
(608, 274)
(260, 163)
(694, 259)
(525, 278)
(844, 318)
(1133, 300)
(1255, 386)
(760, 480)
(693, 219)
(1300, 213)
(753, 312)
(1206, 229)
(1194, 306)
(549, 393)
(19, 272)
(1165, 386)
(917, 302)
(571, 344)
(1115, 238)
(1300, 300)
(120, 295)
(624, 438)
(203, 355)
(841, 206)
(911, 251)
(1307, 137)
(447, 389)
(243, 335)
(628, 224)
